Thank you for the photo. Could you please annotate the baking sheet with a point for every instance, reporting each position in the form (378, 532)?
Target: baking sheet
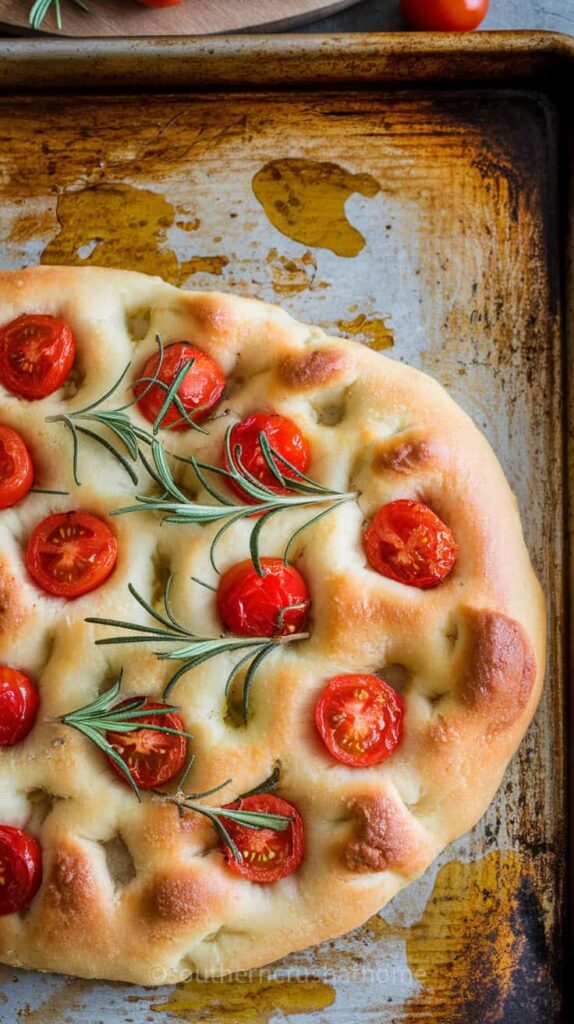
(426, 223)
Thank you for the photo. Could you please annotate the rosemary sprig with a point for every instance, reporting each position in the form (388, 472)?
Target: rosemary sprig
(123, 431)
(191, 649)
(115, 420)
(177, 507)
(218, 815)
(40, 8)
(172, 398)
(96, 719)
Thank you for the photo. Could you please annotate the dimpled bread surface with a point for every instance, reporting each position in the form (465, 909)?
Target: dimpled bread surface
(129, 890)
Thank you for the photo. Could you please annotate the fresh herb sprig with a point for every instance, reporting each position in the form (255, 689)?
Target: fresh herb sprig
(218, 815)
(115, 420)
(177, 507)
(123, 431)
(171, 396)
(40, 9)
(96, 719)
(192, 649)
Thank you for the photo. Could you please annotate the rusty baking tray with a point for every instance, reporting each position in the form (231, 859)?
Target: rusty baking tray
(410, 192)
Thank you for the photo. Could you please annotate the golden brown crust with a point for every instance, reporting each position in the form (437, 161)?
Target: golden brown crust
(385, 839)
(500, 667)
(405, 456)
(12, 611)
(70, 888)
(130, 891)
(312, 369)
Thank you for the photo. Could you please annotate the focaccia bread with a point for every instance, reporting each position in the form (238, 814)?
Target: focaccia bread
(133, 890)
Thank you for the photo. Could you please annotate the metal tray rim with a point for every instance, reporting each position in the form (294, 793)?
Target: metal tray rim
(290, 60)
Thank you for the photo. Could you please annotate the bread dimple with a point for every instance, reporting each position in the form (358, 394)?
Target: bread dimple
(468, 655)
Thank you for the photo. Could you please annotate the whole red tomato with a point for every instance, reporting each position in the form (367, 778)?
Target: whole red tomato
(444, 15)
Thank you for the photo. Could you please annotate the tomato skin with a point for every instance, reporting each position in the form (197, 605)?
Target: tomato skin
(36, 355)
(18, 705)
(16, 469)
(20, 869)
(283, 435)
(250, 604)
(153, 758)
(288, 846)
(444, 15)
(71, 553)
(360, 719)
(406, 542)
(199, 391)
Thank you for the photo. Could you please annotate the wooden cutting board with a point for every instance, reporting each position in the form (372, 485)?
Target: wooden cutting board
(192, 17)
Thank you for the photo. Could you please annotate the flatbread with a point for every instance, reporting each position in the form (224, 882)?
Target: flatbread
(130, 892)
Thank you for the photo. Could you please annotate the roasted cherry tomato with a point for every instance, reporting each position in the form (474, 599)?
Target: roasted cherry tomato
(18, 705)
(274, 604)
(152, 757)
(266, 855)
(444, 15)
(20, 869)
(159, 3)
(36, 355)
(408, 543)
(284, 437)
(360, 719)
(16, 470)
(199, 391)
(70, 553)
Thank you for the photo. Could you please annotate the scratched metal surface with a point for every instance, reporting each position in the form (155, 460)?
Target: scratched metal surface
(423, 221)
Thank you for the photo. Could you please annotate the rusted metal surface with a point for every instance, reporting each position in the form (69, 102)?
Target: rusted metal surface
(425, 222)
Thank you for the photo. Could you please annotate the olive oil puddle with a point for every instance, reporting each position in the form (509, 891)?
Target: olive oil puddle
(305, 200)
(122, 227)
(374, 332)
(236, 1001)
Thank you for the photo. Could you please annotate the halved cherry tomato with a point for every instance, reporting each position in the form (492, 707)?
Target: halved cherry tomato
(199, 391)
(444, 15)
(283, 435)
(407, 542)
(36, 355)
(71, 553)
(153, 757)
(16, 470)
(266, 855)
(18, 705)
(274, 604)
(360, 719)
(20, 869)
